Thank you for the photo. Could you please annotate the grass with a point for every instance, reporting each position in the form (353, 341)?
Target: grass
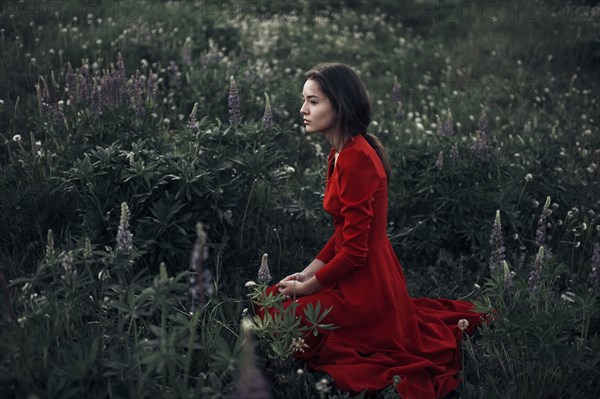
(82, 317)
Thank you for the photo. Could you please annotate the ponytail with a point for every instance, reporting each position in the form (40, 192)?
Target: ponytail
(378, 147)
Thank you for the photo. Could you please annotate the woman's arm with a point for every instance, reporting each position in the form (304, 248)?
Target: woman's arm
(294, 288)
(307, 273)
(303, 283)
(314, 267)
(358, 180)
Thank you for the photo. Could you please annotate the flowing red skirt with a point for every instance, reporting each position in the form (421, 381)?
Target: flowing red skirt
(426, 356)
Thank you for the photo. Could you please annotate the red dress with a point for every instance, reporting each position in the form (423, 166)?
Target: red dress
(382, 332)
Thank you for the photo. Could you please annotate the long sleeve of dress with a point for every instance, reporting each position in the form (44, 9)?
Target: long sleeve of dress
(358, 180)
(328, 251)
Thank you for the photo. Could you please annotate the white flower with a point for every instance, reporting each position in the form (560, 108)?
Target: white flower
(323, 385)
(247, 325)
(567, 296)
(17, 138)
(463, 324)
(528, 177)
(298, 345)
(103, 275)
(250, 284)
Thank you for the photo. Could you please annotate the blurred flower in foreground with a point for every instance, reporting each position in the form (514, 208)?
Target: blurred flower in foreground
(250, 383)
(200, 279)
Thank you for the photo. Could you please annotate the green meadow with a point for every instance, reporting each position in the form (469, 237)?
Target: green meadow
(152, 152)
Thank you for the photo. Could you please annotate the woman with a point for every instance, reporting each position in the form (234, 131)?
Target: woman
(382, 332)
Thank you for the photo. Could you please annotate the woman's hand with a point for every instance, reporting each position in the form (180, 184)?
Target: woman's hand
(293, 287)
(301, 277)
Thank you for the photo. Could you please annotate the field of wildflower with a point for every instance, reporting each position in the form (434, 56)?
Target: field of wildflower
(155, 178)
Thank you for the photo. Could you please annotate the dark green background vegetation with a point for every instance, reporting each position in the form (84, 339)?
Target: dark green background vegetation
(525, 67)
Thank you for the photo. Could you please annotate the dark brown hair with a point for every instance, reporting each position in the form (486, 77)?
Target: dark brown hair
(350, 100)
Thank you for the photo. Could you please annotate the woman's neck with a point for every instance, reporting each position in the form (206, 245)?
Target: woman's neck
(337, 143)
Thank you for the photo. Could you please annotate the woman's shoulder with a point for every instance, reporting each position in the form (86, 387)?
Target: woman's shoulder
(359, 155)
(358, 149)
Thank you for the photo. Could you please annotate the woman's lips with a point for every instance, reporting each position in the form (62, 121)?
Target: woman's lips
(305, 121)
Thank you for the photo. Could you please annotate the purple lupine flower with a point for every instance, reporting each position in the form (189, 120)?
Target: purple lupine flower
(84, 86)
(121, 68)
(124, 236)
(192, 123)
(151, 87)
(445, 128)
(498, 249)
(481, 142)
(534, 276)
(186, 51)
(250, 383)
(396, 90)
(448, 128)
(439, 163)
(97, 101)
(480, 147)
(454, 153)
(49, 110)
(200, 279)
(595, 265)
(67, 260)
(268, 115)
(483, 122)
(399, 111)
(235, 115)
(543, 224)
(440, 128)
(136, 92)
(264, 274)
(70, 82)
(174, 75)
(55, 85)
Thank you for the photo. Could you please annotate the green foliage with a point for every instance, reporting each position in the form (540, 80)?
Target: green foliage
(281, 326)
(81, 317)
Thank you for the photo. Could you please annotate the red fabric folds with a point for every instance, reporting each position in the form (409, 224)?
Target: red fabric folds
(382, 332)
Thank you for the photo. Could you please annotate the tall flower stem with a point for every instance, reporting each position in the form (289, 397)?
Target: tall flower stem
(240, 244)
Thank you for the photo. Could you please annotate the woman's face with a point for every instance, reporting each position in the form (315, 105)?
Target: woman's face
(317, 111)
